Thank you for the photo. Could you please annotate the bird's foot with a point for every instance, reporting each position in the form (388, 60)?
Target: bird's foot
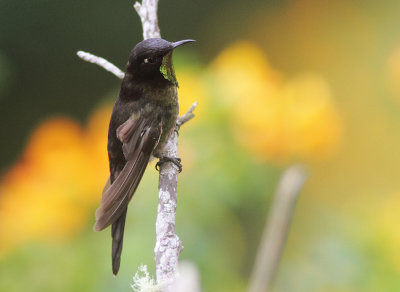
(174, 160)
(177, 128)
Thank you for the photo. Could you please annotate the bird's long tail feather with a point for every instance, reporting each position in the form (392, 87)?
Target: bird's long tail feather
(117, 233)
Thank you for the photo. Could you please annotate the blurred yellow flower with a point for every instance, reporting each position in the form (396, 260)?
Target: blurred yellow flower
(240, 70)
(50, 193)
(275, 120)
(192, 88)
(393, 72)
(385, 219)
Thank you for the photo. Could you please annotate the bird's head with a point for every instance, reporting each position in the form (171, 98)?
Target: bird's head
(151, 60)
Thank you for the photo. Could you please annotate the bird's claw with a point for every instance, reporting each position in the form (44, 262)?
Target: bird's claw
(174, 160)
(177, 128)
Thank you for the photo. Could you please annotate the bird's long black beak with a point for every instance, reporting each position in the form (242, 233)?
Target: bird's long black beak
(179, 43)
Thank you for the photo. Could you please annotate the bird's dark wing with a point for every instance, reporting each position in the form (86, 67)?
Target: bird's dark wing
(139, 137)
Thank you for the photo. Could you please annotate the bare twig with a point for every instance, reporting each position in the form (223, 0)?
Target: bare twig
(276, 229)
(187, 116)
(88, 57)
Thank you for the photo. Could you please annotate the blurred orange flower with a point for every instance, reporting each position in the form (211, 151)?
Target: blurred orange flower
(276, 120)
(50, 192)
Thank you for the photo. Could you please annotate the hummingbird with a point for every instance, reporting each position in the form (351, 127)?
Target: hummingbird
(143, 118)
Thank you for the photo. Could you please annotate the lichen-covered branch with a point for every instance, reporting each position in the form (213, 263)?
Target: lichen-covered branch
(148, 15)
(168, 245)
(276, 228)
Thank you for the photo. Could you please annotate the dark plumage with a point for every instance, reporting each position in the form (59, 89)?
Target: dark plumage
(143, 117)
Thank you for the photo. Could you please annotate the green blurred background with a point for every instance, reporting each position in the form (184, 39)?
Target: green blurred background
(278, 82)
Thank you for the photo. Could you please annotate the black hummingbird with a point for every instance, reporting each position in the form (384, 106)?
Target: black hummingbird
(143, 118)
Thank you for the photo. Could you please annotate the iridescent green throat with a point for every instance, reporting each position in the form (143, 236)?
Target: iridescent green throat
(167, 69)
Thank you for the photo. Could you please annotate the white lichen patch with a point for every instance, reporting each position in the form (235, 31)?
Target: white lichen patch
(171, 173)
(164, 196)
(143, 282)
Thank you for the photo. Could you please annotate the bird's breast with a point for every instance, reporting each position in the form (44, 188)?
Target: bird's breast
(164, 104)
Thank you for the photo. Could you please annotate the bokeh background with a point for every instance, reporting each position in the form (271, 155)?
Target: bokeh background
(278, 82)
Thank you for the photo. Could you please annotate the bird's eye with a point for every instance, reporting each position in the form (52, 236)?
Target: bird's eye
(149, 60)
